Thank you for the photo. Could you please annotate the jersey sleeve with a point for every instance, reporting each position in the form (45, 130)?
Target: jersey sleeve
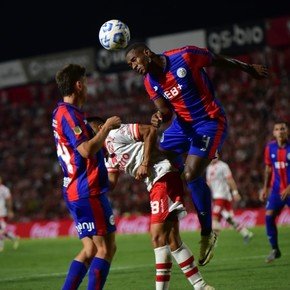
(207, 174)
(134, 131)
(74, 129)
(127, 133)
(201, 57)
(153, 95)
(7, 193)
(227, 171)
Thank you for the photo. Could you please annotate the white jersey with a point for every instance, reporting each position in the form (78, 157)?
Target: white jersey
(126, 154)
(217, 174)
(4, 194)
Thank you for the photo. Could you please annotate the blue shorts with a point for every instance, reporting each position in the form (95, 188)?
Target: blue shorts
(275, 202)
(92, 216)
(203, 139)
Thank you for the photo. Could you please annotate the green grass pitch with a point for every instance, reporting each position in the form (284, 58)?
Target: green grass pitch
(42, 264)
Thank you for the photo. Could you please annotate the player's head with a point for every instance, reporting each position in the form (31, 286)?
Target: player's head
(96, 123)
(71, 80)
(139, 57)
(280, 130)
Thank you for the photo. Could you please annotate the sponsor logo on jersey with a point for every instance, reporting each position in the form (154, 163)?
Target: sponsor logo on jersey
(280, 164)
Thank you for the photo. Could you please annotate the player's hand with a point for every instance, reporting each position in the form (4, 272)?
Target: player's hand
(263, 194)
(10, 214)
(113, 123)
(142, 172)
(156, 119)
(258, 71)
(236, 197)
(285, 193)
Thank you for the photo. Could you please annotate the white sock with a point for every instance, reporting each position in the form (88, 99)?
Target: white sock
(244, 232)
(163, 263)
(185, 259)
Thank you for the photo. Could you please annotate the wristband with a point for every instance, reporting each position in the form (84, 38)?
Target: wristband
(235, 192)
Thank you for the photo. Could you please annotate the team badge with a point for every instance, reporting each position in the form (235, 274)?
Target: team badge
(181, 72)
(77, 130)
(112, 220)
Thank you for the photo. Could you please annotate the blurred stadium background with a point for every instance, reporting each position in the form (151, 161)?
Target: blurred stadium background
(28, 94)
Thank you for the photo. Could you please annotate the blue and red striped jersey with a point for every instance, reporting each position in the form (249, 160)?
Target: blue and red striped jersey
(83, 177)
(186, 85)
(278, 158)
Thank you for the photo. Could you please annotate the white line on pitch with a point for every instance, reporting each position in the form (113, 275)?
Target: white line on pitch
(121, 268)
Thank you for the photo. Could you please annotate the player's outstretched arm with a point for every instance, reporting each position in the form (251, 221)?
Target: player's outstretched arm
(164, 113)
(113, 179)
(90, 147)
(266, 187)
(148, 134)
(257, 71)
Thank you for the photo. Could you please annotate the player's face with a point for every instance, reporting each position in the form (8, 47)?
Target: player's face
(138, 61)
(83, 90)
(280, 132)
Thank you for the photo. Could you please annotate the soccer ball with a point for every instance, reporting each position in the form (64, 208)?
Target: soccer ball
(114, 34)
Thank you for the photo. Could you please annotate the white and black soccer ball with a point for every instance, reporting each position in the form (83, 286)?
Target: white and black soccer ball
(114, 34)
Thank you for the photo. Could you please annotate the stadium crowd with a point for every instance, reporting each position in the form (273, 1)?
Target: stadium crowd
(29, 167)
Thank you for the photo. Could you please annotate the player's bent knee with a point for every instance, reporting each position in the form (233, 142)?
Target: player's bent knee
(190, 175)
(106, 252)
(158, 240)
(90, 251)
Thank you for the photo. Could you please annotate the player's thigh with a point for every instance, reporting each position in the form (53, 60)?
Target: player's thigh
(274, 204)
(218, 206)
(92, 216)
(89, 248)
(159, 234)
(195, 166)
(174, 236)
(175, 139)
(208, 137)
(165, 195)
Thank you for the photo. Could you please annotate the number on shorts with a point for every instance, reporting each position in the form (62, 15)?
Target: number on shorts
(154, 207)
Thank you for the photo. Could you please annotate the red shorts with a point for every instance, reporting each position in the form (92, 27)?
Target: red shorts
(220, 205)
(3, 222)
(166, 196)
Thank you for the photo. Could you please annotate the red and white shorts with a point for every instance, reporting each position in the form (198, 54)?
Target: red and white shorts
(166, 196)
(222, 208)
(3, 223)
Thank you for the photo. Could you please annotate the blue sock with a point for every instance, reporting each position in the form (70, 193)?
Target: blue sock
(272, 232)
(201, 198)
(76, 273)
(98, 273)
